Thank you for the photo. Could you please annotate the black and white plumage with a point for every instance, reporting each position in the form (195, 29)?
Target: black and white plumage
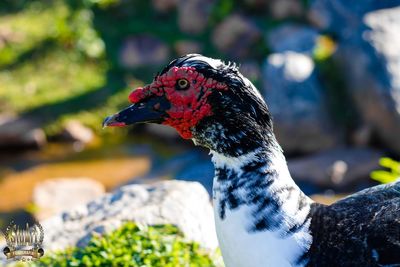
(362, 229)
(262, 217)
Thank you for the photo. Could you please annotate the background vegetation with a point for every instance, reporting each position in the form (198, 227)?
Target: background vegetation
(60, 60)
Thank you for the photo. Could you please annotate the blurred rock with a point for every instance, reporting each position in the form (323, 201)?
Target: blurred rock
(343, 17)
(371, 59)
(56, 195)
(164, 6)
(184, 204)
(143, 50)
(362, 136)
(184, 47)
(235, 36)
(337, 168)
(297, 103)
(368, 52)
(292, 37)
(281, 9)
(74, 131)
(193, 15)
(16, 132)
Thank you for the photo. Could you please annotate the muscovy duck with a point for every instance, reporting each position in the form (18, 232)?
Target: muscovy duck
(262, 217)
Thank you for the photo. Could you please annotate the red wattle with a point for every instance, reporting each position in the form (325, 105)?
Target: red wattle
(186, 108)
(137, 95)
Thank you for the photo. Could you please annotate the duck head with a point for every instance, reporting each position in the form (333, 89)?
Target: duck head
(205, 100)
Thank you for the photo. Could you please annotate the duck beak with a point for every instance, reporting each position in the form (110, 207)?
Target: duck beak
(152, 110)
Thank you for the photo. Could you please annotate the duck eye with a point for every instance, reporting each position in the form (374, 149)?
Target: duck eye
(182, 84)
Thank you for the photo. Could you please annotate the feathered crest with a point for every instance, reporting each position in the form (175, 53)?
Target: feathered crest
(226, 72)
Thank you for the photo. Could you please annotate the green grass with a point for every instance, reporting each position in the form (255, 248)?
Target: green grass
(41, 61)
(93, 117)
(28, 29)
(52, 66)
(50, 76)
(134, 245)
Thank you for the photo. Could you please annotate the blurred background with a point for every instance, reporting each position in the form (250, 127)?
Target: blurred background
(329, 70)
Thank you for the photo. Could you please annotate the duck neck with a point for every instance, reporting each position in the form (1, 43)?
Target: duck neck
(260, 179)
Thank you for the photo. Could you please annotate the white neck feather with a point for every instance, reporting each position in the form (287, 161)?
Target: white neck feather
(241, 242)
(234, 163)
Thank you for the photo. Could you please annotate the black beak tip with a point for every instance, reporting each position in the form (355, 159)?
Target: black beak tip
(111, 121)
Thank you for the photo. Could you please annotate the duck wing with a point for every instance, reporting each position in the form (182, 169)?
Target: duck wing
(362, 229)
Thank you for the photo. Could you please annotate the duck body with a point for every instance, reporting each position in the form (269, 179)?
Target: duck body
(262, 218)
(362, 229)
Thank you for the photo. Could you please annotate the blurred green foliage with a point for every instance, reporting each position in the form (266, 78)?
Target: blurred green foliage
(53, 64)
(59, 59)
(391, 174)
(50, 77)
(134, 245)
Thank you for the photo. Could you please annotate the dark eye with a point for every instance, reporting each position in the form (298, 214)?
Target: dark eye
(182, 84)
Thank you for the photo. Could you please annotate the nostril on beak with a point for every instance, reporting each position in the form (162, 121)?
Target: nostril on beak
(157, 106)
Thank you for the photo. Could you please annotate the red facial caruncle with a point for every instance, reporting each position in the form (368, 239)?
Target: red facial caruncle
(188, 105)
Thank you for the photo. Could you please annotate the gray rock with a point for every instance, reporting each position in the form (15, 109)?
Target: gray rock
(292, 37)
(361, 136)
(56, 195)
(16, 132)
(193, 15)
(74, 131)
(371, 59)
(337, 168)
(297, 103)
(281, 9)
(143, 50)
(185, 204)
(235, 36)
(342, 16)
(164, 6)
(277, 9)
(368, 34)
